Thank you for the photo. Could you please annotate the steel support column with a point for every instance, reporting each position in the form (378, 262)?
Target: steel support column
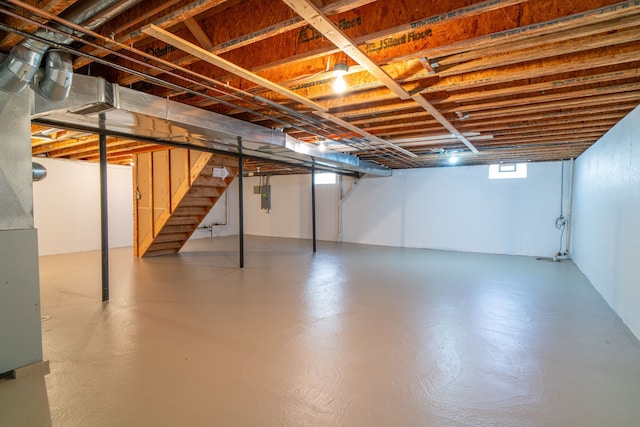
(313, 204)
(240, 203)
(104, 217)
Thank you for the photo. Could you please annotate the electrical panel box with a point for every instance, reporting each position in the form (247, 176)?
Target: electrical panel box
(265, 197)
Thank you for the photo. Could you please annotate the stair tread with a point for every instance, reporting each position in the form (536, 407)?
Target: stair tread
(189, 211)
(171, 237)
(190, 205)
(196, 202)
(183, 220)
(165, 245)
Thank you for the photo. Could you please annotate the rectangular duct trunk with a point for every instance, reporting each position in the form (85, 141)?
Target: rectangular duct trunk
(97, 106)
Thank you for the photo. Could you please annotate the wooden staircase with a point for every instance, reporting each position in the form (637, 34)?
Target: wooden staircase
(173, 192)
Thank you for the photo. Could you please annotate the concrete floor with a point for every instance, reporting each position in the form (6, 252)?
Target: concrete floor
(353, 336)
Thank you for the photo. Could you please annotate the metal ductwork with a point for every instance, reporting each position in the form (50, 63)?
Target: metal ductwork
(58, 75)
(95, 105)
(39, 172)
(20, 67)
(92, 14)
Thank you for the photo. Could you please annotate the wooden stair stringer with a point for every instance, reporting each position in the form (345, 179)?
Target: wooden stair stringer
(190, 204)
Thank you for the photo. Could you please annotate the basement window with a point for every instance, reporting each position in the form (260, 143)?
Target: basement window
(508, 171)
(325, 178)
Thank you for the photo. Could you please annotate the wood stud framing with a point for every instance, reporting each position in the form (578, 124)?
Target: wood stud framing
(497, 80)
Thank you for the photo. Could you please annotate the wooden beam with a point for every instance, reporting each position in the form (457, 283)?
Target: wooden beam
(545, 51)
(541, 136)
(363, 114)
(198, 33)
(618, 109)
(314, 16)
(204, 55)
(406, 30)
(454, 15)
(401, 124)
(276, 68)
(57, 136)
(136, 18)
(610, 56)
(603, 57)
(241, 41)
(173, 18)
(337, 7)
(529, 100)
(427, 65)
(546, 86)
(435, 22)
(392, 116)
(88, 150)
(605, 13)
(422, 28)
(511, 75)
(63, 145)
(364, 133)
(127, 155)
(222, 63)
(600, 100)
(501, 45)
(575, 120)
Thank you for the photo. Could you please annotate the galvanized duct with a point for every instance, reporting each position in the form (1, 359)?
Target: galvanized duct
(39, 172)
(95, 105)
(92, 14)
(56, 81)
(21, 65)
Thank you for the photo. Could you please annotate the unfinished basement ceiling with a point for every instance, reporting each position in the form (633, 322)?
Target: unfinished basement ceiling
(489, 81)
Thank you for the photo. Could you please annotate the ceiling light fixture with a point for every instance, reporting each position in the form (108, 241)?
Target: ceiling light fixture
(453, 160)
(339, 71)
(322, 146)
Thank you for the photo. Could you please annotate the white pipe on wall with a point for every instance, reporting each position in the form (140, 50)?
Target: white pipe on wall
(569, 207)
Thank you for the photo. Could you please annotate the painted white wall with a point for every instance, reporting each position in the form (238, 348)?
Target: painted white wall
(290, 214)
(445, 208)
(440, 208)
(460, 209)
(67, 206)
(223, 216)
(606, 221)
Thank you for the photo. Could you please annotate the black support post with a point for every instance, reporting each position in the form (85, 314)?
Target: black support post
(240, 203)
(104, 217)
(313, 204)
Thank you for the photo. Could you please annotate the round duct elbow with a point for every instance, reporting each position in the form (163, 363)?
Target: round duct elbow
(21, 65)
(58, 75)
(39, 172)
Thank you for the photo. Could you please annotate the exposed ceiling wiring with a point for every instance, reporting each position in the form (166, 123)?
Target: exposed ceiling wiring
(310, 124)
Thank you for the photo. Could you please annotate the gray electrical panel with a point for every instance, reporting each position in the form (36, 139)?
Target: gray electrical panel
(265, 197)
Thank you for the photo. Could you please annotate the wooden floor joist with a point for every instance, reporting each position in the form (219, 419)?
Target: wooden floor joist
(464, 76)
